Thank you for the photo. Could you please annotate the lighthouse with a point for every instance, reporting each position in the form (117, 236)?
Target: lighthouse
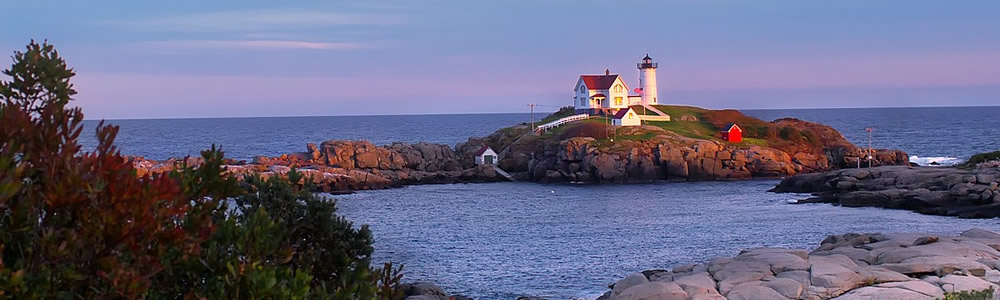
(647, 80)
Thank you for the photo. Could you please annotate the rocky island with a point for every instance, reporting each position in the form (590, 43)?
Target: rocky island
(588, 151)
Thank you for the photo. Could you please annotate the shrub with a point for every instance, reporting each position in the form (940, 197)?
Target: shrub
(83, 225)
(586, 129)
(986, 294)
(979, 158)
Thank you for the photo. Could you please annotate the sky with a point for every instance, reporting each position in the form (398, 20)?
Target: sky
(183, 59)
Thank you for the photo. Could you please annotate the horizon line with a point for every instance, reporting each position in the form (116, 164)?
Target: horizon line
(496, 113)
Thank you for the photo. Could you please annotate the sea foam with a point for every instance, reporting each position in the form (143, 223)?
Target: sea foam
(941, 160)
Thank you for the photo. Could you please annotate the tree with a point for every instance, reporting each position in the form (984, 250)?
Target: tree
(77, 224)
(82, 223)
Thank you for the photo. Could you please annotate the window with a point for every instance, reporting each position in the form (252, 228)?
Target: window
(618, 100)
(583, 89)
(618, 88)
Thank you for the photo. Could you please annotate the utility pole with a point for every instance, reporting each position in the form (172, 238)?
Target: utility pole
(870, 151)
(531, 107)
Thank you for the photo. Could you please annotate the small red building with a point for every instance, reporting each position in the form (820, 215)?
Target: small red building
(732, 133)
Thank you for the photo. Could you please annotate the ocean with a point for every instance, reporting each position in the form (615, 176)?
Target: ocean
(942, 134)
(563, 241)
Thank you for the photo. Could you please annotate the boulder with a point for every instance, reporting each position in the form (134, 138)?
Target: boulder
(980, 233)
(652, 291)
(834, 272)
(919, 286)
(871, 292)
(754, 292)
(628, 282)
(787, 287)
(697, 283)
(424, 291)
(956, 283)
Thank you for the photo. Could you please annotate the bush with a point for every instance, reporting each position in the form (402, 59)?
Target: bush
(83, 225)
(979, 158)
(586, 129)
(790, 133)
(986, 294)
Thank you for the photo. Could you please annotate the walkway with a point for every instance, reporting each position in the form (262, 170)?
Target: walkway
(504, 173)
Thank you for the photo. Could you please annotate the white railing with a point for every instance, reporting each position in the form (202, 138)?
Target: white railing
(562, 121)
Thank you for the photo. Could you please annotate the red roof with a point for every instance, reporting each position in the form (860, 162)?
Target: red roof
(482, 150)
(599, 82)
(599, 95)
(730, 127)
(621, 113)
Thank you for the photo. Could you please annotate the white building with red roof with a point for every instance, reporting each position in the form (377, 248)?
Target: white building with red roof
(486, 156)
(610, 93)
(594, 92)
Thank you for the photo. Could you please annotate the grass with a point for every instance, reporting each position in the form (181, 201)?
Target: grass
(676, 111)
(697, 130)
(970, 295)
(557, 131)
(753, 141)
(755, 131)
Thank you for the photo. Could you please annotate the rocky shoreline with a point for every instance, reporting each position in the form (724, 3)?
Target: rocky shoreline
(651, 154)
(942, 191)
(848, 266)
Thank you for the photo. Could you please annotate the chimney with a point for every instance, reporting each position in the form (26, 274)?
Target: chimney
(607, 72)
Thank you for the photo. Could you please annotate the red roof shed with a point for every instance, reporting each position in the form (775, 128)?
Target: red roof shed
(732, 133)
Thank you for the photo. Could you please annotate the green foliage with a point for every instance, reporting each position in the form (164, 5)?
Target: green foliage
(755, 141)
(83, 225)
(986, 294)
(39, 78)
(80, 224)
(980, 158)
(563, 112)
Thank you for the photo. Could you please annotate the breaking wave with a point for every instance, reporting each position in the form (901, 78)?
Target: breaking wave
(940, 160)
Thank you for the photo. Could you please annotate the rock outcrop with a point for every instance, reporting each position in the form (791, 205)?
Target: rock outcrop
(664, 155)
(849, 266)
(928, 190)
(341, 166)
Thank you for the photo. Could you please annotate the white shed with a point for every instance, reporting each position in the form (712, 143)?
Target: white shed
(626, 117)
(486, 156)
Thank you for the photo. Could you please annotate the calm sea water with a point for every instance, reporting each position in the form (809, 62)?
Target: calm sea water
(502, 240)
(244, 138)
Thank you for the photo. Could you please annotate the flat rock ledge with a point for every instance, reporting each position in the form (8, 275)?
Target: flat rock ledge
(929, 190)
(849, 266)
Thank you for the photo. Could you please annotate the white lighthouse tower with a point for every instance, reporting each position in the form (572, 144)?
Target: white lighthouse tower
(647, 80)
